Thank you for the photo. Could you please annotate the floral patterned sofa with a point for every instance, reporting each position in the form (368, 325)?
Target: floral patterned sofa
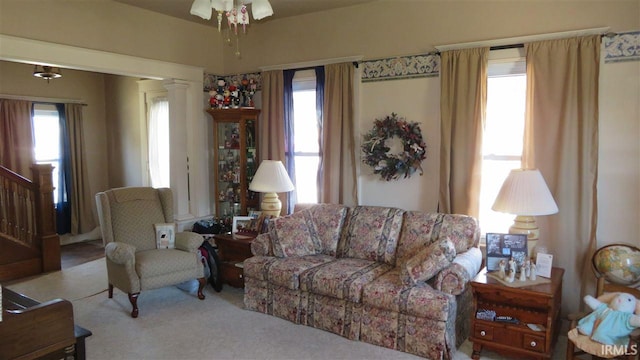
(389, 277)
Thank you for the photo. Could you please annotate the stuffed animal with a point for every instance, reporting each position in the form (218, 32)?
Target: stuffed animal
(614, 317)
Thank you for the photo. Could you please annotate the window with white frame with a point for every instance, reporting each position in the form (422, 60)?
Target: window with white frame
(159, 170)
(503, 134)
(306, 144)
(46, 138)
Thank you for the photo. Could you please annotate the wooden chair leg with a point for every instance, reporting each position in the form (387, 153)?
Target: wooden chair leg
(201, 283)
(133, 298)
(110, 291)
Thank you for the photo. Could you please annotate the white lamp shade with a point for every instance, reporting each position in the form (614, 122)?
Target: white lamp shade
(271, 176)
(261, 9)
(524, 192)
(201, 8)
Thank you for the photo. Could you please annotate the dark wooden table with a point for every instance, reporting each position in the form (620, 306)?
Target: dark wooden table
(232, 251)
(535, 304)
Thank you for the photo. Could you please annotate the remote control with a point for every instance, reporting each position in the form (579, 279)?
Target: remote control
(507, 319)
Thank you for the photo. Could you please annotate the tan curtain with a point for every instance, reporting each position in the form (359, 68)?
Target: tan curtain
(561, 140)
(463, 101)
(16, 136)
(82, 201)
(337, 171)
(271, 124)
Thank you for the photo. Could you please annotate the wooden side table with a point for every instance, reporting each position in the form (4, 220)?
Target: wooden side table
(536, 304)
(232, 251)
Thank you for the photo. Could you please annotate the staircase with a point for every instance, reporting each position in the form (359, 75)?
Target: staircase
(29, 244)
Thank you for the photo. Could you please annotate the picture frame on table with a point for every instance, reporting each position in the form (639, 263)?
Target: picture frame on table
(505, 247)
(241, 223)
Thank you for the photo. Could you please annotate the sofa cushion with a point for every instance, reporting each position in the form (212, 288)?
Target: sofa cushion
(371, 233)
(286, 272)
(343, 278)
(328, 220)
(292, 235)
(156, 262)
(390, 293)
(428, 262)
(420, 229)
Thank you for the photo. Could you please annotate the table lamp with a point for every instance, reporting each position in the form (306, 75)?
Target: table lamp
(271, 178)
(525, 194)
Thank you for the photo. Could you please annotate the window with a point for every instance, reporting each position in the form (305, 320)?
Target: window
(46, 137)
(306, 144)
(503, 134)
(159, 167)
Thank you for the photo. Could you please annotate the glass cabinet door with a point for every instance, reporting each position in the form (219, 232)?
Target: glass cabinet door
(235, 151)
(229, 186)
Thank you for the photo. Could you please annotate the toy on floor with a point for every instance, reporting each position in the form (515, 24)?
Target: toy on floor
(614, 317)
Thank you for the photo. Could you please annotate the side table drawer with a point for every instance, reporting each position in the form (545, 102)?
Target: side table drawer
(532, 342)
(483, 332)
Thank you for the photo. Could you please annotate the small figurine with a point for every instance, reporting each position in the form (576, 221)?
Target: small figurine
(512, 264)
(532, 275)
(527, 267)
(523, 274)
(512, 275)
(501, 273)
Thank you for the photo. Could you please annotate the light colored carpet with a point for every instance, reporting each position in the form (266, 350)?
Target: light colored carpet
(174, 324)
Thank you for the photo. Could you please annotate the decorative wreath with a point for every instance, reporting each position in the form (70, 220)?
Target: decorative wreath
(392, 163)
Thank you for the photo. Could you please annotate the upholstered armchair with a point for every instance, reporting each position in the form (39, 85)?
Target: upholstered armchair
(134, 263)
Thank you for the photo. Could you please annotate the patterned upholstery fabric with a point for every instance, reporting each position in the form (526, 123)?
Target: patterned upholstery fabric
(294, 235)
(342, 278)
(428, 262)
(371, 233)
(352, 284)
(328, 220)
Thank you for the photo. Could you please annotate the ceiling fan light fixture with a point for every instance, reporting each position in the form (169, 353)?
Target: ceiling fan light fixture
(46, 72)
(201, 8)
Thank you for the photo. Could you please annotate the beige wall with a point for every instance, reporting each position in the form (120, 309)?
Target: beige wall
(17, 79)
(124, 131)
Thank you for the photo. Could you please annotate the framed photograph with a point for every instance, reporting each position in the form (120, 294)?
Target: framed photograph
(241, 223)
(255, 214)
(504, 247)
(165, 235)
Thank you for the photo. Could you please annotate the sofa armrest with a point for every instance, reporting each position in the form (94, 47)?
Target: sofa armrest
(454, 279)
(188, 241)
(120, 253)
(261, 245)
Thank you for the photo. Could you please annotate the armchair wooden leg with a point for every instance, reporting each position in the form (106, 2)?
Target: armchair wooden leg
(110, 291)
(201, 283)
(133, 298)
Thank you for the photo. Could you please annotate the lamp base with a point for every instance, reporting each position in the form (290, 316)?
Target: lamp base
(526, 225)
(271, 205)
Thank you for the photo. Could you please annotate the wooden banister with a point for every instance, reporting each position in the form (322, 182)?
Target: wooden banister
(29, 243)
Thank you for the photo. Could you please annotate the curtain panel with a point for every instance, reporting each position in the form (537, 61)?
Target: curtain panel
(271, 126)
(338, 182)
(82, 200)
(561, 140)
(463, 102)
(16, 136)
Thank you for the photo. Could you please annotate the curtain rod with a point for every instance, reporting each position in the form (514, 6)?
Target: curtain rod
(43, 99)
(514, 41)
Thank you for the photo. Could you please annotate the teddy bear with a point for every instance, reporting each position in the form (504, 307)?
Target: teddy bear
(614, 317)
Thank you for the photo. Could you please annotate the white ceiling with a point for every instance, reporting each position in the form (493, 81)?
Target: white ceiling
(281, 8)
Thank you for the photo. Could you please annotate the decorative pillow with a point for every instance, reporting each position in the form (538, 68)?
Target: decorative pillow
(428, 262)
(165, 235)
(292, 236)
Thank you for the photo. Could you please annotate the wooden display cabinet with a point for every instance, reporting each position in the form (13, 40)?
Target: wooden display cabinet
(536, 304)
(235, 153)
